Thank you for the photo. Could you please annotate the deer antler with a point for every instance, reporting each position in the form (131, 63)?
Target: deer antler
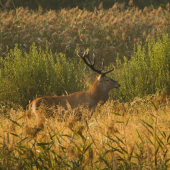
(85, 57)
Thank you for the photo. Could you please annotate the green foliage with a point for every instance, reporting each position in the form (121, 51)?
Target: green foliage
(39, 73)
(146, 72)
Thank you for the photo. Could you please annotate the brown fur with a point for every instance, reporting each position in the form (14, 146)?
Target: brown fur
(98, 93)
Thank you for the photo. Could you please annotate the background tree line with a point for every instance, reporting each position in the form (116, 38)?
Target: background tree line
(88, 4)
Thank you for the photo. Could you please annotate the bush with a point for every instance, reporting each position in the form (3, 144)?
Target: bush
(147, 72)
(39, 73)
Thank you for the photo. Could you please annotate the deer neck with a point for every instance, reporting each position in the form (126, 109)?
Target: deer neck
(97, 92)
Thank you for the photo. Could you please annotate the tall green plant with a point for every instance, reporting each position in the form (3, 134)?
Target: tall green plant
(26, 76)
(146, 72)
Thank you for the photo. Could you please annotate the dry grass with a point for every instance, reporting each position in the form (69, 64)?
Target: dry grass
(119, 135)
(106, 32)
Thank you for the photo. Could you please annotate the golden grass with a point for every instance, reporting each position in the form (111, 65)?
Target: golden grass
(118, 135)
(66, 30)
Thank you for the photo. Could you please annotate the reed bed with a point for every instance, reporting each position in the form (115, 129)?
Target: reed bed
(118, 136)
(106, 32)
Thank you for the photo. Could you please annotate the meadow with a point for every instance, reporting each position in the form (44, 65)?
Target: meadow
(119, 136)
(38, 58)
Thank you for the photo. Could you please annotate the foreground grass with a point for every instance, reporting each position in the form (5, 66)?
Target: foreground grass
(118, 136)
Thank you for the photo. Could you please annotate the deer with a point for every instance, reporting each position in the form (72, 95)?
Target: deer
(96, 95)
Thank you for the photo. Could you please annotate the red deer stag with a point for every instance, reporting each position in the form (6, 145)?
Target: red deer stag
(98, 93)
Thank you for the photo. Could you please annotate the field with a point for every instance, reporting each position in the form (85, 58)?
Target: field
(106, 32)
(131, 131)
(119, 136)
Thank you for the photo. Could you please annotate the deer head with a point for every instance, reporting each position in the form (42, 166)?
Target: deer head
(102, 84)
(110, 83)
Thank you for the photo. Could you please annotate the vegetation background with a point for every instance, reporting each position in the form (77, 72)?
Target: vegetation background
(87, 4)
(38, 57)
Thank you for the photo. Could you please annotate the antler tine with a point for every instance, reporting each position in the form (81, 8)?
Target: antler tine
(85, 56)
(108, 71)
(86, 59)
(101, 68)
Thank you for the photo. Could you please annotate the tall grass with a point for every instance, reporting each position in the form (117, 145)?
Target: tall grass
(121, 136)
(105, 32)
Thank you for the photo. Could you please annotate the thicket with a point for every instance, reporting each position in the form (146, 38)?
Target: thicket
(88, 4)
(39, 73)
(147, 72)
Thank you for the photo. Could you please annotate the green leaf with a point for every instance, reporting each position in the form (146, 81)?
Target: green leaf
(120, 140)
(14, 134)
(140, 137)
(87, 147)
(147, 124)
(42, 144)
(116, 113)
(14, 122)
(153, 104)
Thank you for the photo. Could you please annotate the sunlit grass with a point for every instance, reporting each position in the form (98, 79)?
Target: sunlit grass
(106, 32)
(119, 135)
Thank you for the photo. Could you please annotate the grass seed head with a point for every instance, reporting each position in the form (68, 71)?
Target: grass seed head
(32, 131)
(26, 38)
(100, 6)
(4, 15)
(54, 34)
(130, 3)
(144, 34)
(12, 13)
(79, 129)
(111, 128)
(167, 6)
(159, 11)
(115, 6)
(108, 38)
(71, 123)
(115, 33)
(123, 36)
(145, 10)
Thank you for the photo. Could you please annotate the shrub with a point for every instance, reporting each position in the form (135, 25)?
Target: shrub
(26, 76)
(39, 73)
(147, 72)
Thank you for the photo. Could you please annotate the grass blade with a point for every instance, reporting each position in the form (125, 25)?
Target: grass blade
(14, 122)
